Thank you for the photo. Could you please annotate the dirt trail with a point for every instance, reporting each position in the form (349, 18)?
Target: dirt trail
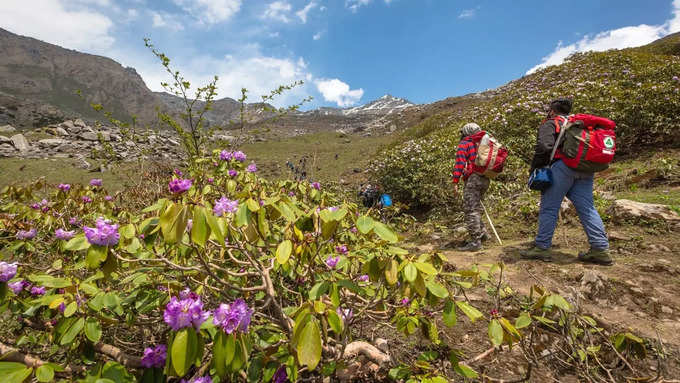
(640, 292)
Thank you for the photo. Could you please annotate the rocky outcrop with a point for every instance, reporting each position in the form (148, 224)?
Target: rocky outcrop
(78, 140)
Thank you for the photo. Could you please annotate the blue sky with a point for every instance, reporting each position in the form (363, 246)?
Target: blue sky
(348, 51)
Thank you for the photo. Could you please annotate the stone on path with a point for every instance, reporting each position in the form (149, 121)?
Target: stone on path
(623, 208)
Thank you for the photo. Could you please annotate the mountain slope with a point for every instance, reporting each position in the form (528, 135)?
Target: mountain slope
(43, 73)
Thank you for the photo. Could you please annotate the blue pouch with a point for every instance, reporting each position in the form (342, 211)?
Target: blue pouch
(540, 179)
(386, 200)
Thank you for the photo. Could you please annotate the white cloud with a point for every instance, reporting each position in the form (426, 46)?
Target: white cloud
(166, 20)
(468, 13)
(210, 11)
(626, 37)
(317, 36)
(354, 5)
(57, 23)
(338, 92)
(248, 68)
(278, 10)
(302, 14)
(132, 13)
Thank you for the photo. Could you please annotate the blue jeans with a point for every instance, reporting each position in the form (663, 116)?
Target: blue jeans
(578, 187)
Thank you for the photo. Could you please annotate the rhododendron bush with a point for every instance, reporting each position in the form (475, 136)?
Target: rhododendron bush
(230, 276)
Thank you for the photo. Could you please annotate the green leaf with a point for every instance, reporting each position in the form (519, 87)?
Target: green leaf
(50, 281)
(252, 205)
(335, 322)
(173, 223)
(183, 350)
(283, 251)
(215, 229)
(72, 332)
(509, 328)
(391, 272)
(309, 345)
(495, 332)
(523, 321)
(384, 232)
(242, 217)
(286, 211)
(12, 372)
(79, 242)
(449, 314)
(127, 231)
(365, 224)
(557, 301)
(410, 272)
(44, 373)
(95, 256)
(469, 311)
(437, 289)
(200, 230)
(426, 268)
(465, 371)
(223, 352)
(93, 330)
(70, 309)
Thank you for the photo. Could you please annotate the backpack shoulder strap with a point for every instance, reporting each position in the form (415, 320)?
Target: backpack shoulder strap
(560, 130)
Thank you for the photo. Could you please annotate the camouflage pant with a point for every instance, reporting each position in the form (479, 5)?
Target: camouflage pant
(475, 188)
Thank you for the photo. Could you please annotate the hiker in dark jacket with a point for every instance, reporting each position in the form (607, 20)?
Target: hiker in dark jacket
(476, 186)
(575, 185)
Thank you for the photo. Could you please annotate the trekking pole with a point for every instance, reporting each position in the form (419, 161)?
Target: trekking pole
(491, 223)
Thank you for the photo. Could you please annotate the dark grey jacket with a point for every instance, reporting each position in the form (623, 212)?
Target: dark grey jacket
(545, 141)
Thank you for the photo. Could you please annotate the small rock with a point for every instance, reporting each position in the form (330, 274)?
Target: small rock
(616, 236)
(51, 142)
(60, 131)
(5, 140)
(7, 129)
(80, 123)
(666, 310)
(659, 248)
(637, 290)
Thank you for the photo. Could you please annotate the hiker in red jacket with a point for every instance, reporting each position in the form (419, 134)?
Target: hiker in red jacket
(476, 186)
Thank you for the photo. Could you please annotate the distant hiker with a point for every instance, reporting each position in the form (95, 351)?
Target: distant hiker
(588, 146)
(372, 197)
(476, 186)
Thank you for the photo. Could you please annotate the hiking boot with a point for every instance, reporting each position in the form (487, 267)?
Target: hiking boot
(471, 246)
(536, 252)
(597, 256)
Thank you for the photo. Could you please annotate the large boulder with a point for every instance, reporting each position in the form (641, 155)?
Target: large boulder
(5, 140)
(70, 127)
(627, 209)
(7, 129)
(60, 131)
(20, 143)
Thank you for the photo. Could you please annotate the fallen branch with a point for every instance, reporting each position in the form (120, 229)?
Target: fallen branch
(368, 350)
(118, 355)
(11, 354)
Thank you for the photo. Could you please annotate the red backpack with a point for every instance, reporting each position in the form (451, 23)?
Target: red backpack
(491, 155)
(585, 142)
